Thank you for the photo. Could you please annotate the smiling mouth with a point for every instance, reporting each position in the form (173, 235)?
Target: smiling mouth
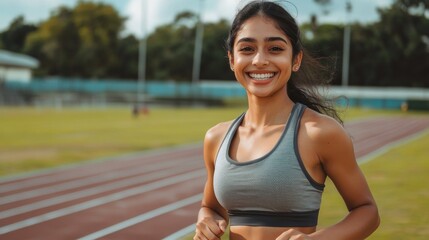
(261, 76)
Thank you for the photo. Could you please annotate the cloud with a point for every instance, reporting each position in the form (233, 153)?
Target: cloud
(221, 9)
(33, 11)
(163, 11)
(157, 13)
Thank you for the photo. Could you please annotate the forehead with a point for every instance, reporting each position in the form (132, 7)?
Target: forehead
(260, 26)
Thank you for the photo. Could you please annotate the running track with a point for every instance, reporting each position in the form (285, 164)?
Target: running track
(151, 195)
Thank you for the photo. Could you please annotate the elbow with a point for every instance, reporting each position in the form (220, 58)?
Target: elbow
(376, 219)
(373, 219)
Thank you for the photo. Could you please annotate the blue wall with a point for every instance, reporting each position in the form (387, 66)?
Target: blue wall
(151, 88)
(377, 103)
(367, 97)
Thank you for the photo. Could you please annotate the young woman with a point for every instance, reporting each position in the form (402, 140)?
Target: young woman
(266, 170)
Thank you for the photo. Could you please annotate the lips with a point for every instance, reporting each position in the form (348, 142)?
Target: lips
(261, 76)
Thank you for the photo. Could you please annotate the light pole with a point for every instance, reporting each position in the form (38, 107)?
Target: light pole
(142, 58)
(346, 47)
(198, 48)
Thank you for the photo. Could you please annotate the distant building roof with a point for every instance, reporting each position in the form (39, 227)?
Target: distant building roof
(18, 60)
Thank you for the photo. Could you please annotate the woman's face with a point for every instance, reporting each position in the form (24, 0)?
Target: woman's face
(262, 58)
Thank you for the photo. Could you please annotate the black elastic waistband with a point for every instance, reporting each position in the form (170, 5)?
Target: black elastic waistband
(273, 219)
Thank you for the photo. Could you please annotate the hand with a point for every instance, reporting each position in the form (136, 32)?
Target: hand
(210, 229)
(293, 234)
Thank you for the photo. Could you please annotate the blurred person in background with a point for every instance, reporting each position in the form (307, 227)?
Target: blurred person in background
(266, 169)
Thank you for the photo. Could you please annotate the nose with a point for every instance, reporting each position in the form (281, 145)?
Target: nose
(260, 59)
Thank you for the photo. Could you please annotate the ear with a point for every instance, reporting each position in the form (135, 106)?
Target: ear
(297, 61)
(231, 60)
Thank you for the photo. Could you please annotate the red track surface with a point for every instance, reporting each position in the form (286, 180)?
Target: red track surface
(140, 196)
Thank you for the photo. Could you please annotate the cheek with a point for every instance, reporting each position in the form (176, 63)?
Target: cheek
(240, 61)
(284, 63)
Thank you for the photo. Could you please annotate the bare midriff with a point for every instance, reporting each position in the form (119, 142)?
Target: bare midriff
(266, 233)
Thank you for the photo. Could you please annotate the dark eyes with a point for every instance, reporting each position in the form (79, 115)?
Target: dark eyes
(274, 49)
(245, 49)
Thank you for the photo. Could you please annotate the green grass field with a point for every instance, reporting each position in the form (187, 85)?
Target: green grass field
(398, 180)
(39, 138)
(33, 139)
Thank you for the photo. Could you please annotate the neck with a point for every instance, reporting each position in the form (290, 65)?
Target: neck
(268, 111)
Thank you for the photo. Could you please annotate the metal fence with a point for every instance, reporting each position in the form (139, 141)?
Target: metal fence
(207, 89)
(380, 97)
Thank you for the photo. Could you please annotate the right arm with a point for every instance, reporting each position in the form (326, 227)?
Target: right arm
(212, 217)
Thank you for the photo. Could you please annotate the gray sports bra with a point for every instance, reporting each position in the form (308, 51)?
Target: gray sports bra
(274, 190)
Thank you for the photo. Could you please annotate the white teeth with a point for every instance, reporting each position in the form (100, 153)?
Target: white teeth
(261, 76)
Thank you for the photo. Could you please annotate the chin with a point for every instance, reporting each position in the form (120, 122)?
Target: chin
(269, 92)
(261, 94)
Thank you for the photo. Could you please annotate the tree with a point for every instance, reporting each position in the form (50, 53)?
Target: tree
(55, 44)
(78, 42)
(127, 55)
(324, 4)
(98, 28)
(326, 46)
(410, 5)
(13, 38)
(85, 41)
(214, 63)
(391, 52)
(170, 49)
(171, 46)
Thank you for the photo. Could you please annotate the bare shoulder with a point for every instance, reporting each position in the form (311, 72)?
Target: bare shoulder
(216, 133)
(320, 126)
(213, 139)
(326, 134)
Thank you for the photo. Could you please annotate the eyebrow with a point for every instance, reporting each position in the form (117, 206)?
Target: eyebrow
(268, 39)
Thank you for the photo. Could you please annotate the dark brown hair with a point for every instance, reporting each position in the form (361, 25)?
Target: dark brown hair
(304, 85)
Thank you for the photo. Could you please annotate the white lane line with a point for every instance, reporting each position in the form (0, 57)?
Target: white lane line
(143, 217)
(67, 174)
(388, 132)
(391, 136)
(100, 201)
(372, 155)
(373, 133)
(71, 171)
(87, 181)
(363, 128)
(181, 233)
(94, 190)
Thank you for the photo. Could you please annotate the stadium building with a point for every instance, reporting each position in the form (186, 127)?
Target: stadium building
(16, 67)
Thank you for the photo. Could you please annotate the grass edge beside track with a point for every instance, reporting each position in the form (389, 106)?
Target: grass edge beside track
(40, 138)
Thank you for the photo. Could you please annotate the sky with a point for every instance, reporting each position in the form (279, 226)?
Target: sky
(163, 11)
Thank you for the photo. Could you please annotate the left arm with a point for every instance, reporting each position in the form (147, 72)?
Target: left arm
(335, 150)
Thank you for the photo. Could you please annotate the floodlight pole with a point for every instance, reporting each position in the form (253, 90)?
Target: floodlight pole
(141, 83)
(198, 47)
(346, 47)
